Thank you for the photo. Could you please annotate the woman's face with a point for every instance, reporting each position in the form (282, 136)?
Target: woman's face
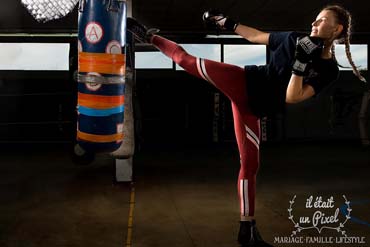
(325, 26)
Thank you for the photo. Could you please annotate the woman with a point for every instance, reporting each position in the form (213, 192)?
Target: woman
(299, 68)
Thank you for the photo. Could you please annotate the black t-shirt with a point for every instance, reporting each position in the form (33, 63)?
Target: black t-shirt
(267, 84)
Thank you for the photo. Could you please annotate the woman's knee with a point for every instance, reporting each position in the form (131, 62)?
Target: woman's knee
(180, 56)
(249, 169)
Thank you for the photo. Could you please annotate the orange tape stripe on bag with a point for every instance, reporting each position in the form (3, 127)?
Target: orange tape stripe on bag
(100, 101)
(99, 138)
(104, 63)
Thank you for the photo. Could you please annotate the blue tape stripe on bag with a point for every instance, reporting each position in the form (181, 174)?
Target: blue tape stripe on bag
(100, 113)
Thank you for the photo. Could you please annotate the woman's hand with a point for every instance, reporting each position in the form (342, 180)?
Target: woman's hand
(307, 48)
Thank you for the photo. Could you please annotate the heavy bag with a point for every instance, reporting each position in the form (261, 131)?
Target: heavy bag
(101, 74)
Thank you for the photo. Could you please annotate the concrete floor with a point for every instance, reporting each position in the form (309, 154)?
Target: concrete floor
(183, 197)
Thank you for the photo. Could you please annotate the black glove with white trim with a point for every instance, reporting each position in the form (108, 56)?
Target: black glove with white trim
(307, 49)
(214, 19)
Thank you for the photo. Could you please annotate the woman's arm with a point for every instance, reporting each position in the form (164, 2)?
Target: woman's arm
(296, 91)
(253, 35)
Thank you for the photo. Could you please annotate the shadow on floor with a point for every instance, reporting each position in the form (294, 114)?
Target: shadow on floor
(184, 196)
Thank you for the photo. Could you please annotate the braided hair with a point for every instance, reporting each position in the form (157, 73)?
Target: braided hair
(344, 18)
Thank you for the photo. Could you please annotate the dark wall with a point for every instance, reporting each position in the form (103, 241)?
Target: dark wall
(38, 106)
(174, 107)
(333, 115)
(177, 108)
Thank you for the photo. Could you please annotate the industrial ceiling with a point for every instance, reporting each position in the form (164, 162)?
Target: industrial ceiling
(179, 16)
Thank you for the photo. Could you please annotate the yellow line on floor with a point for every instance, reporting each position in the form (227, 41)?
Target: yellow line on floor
(130, 217)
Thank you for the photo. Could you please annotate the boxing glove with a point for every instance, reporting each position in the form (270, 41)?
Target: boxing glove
(214, 19)
(307, 49)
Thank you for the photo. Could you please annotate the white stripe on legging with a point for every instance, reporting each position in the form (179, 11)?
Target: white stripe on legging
(244, 201)
(201, 66)
(200, 69)
(252, 137)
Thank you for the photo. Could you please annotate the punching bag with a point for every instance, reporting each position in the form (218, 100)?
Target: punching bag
(101, 74)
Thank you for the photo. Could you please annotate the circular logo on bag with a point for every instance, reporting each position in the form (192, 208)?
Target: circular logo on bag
(94, 32)
(93, 86)
(113, 47)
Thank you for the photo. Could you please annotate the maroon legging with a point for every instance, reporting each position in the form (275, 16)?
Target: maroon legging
(230, 80)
